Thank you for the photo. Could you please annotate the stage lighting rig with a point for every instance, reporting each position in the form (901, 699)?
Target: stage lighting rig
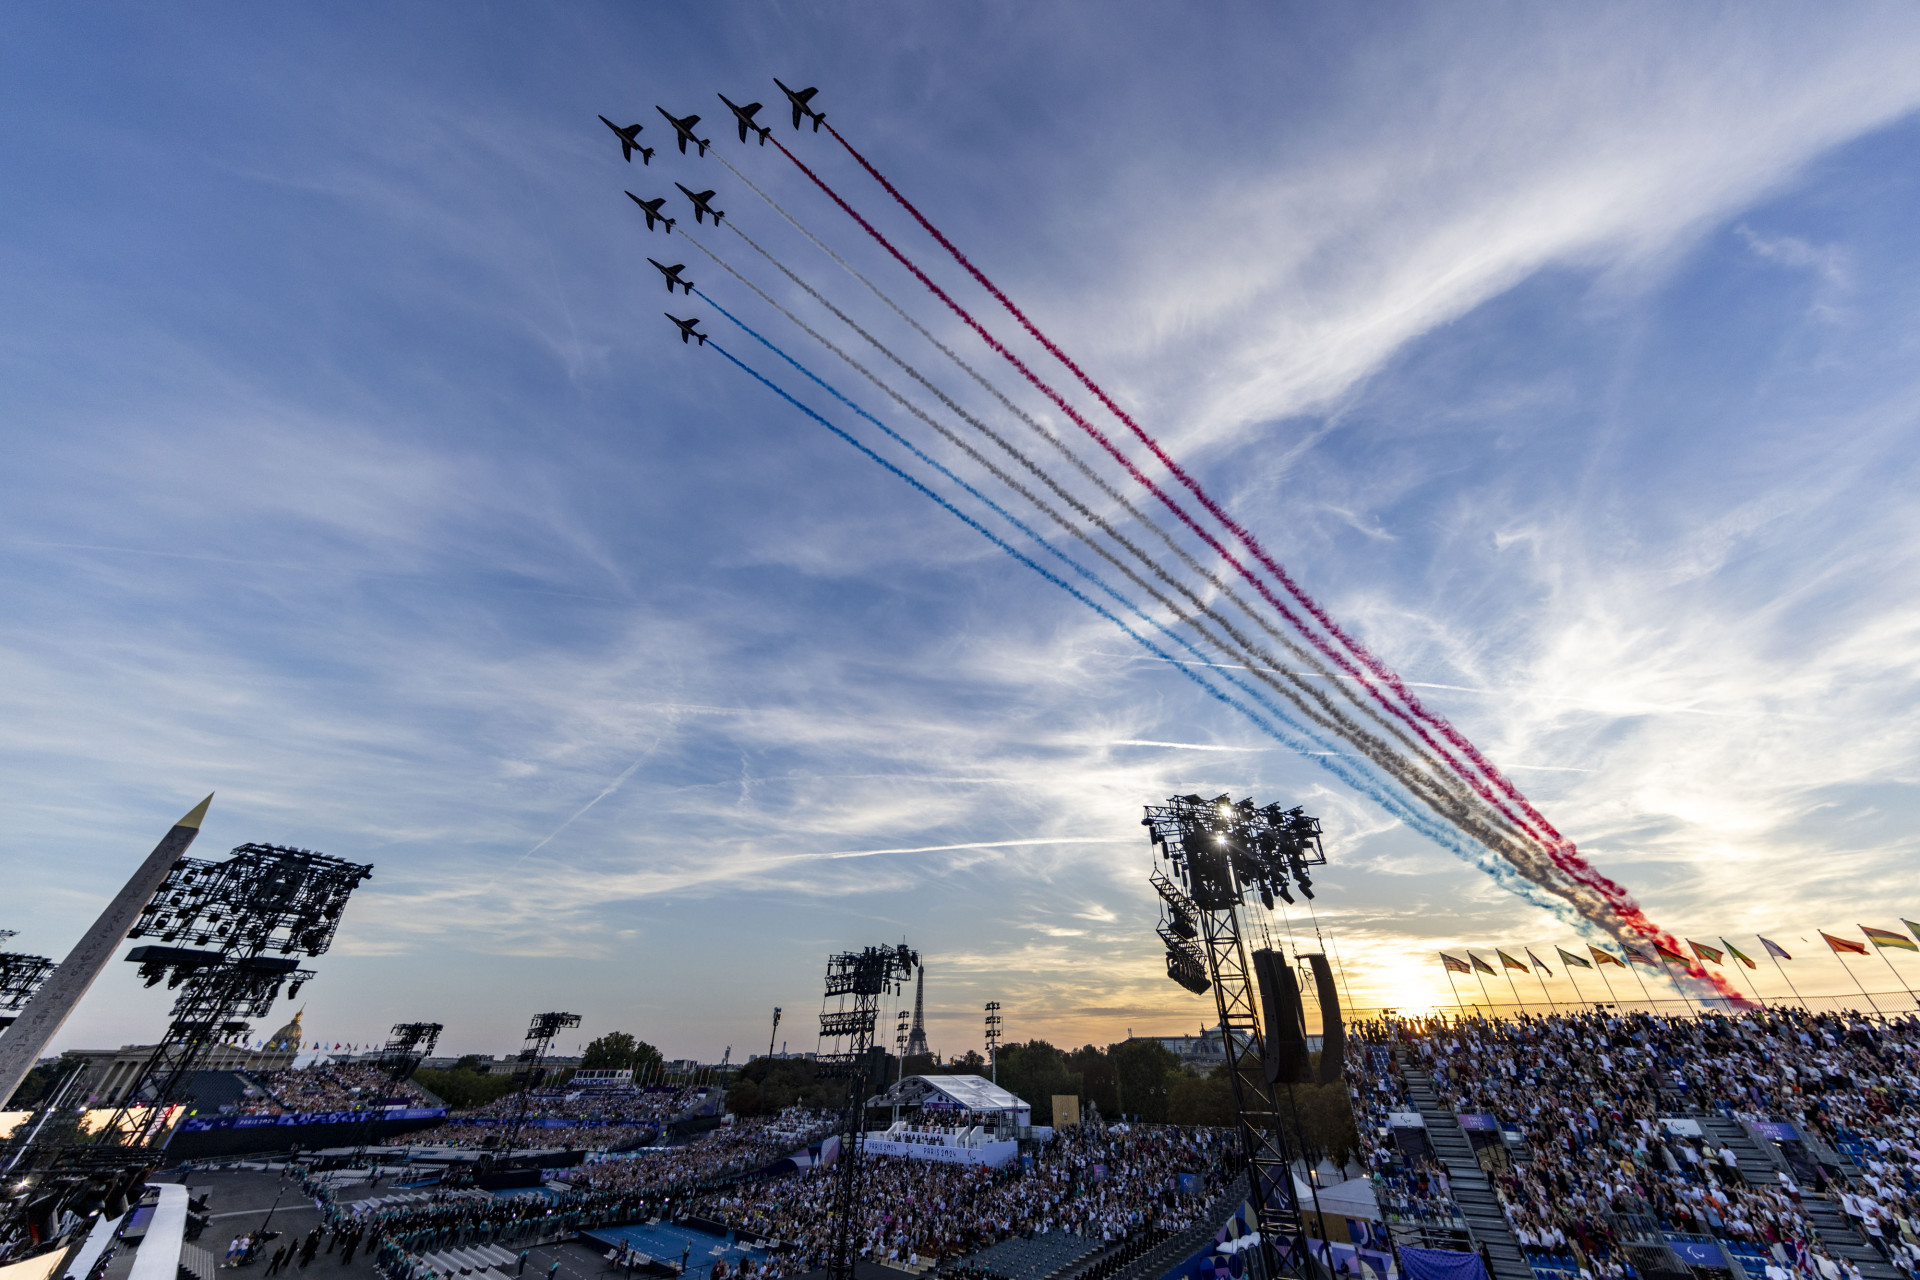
(531, 1070)
(262, 899)
(865, 976)
(1221, 849)
(1178, 928)
(20, 976)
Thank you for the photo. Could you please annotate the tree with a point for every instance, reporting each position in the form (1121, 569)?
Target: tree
(1148, 1073)
(1035, 1072)
(1203, 1100)
(619, 1051)
(461, 1086)
(1100, 1078)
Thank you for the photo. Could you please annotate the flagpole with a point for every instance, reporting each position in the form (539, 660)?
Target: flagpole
(1578, 994)
(1691, 1002)
(1518, 1004)
(1456, 991)
(1600, 968)
(1483, 985)
(1543, 989)
(1783, 972)
(1895, 972)
(1850, 973)
(1652, 1004)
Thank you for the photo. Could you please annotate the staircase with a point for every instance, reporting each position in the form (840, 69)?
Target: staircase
(1759, 1163)
(1472, 1191)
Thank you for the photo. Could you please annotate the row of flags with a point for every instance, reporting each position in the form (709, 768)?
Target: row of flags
(1660, 952)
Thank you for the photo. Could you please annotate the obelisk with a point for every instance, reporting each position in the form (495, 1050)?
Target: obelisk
(22, 1043)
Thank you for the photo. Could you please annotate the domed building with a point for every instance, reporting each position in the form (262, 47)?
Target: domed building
(287, 1039)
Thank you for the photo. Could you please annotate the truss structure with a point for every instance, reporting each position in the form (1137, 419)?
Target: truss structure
(858, 979)
(1220, 851)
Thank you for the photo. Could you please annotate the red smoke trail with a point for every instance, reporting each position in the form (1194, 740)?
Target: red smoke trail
(1559, 849)
(1293, 620)
(1562, 851)
(1379, 669)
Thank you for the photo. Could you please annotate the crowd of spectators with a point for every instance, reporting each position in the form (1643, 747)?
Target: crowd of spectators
(1589, 1095)
(341, 1086)
(599, 1117)
(1096, 1182)
(1093, 1181)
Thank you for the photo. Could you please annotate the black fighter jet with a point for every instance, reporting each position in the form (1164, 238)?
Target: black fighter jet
(652, 209)
(672, 274)
(799, 102)
(744, 117)
(701, 206)
(685, 129)
(630, 141)
(686, 328)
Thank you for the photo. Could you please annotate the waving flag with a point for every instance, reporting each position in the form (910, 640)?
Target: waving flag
(1455, 965)
(1843, 946)
(1538, 963)
(1508, 961)
(1670, 953)
(1570, 959)
(1635, 953)
(1737, 954)
(1480, 964)
(1607, 957)
(1912, 928)
(1774, 948)
(1705, 952)
(1884, 938)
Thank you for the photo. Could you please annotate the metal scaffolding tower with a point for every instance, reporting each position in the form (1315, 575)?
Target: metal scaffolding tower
(1220, 851)
(857, 979)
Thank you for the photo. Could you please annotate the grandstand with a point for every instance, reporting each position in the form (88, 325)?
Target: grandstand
(1772, 1145)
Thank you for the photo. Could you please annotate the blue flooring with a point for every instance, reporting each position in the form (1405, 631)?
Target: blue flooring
(665, 1242)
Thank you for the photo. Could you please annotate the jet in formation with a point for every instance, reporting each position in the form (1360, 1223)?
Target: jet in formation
(743, 116)
(672, 274)
(701, 206)
(630, 141)
(799, 103)
(686, 328)
(652, 209)
(685, 129)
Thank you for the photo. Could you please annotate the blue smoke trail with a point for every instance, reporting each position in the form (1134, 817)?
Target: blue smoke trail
(1334, 762)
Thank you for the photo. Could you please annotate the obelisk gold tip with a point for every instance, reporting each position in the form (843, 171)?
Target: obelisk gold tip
(198, 813)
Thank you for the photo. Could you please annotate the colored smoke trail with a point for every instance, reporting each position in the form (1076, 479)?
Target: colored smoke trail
(1368, 709)
(1333, 762)
(1451, 806)
(1562, 851)
(1615, 909)
(1140, 477)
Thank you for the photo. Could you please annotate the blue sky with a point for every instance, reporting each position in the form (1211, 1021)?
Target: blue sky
(353, 474)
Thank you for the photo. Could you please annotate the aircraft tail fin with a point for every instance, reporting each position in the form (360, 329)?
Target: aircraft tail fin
(646, 155)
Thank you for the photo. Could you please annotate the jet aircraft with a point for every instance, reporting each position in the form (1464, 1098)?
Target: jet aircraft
(652, 209)
(686, 328)
(700, 205)
(630, 141)
(672, 274)
(799, 102)
(744, 117)
(685, 129)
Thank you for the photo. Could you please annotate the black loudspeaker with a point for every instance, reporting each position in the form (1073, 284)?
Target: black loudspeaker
(1333, 1031)
(1285, 1053)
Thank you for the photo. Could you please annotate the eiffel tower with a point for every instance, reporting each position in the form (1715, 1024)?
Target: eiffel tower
(917, 1036)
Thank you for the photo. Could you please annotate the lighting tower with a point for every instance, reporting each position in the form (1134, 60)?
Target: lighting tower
(993, 1038)
(900, 1031)
(531, 1071)
(263, 898)
(407, 1046)
(864, 976)
(1220, 851)
(771, 1035)
(20, 976)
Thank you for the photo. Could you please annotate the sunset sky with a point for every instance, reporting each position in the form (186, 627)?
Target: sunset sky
(1570, 357)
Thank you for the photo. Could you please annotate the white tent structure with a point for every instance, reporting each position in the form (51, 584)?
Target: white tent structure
(966, 1099)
